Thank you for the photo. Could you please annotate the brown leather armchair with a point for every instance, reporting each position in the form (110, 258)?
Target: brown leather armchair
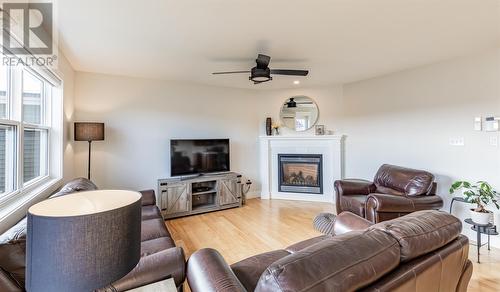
(394, 192)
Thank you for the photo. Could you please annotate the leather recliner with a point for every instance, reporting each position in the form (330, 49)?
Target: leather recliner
(423, 251)
(394, 192)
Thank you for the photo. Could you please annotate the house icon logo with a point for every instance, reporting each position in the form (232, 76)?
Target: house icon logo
(27, 28)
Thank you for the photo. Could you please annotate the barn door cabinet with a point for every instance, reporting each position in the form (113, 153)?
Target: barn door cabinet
(177, 197)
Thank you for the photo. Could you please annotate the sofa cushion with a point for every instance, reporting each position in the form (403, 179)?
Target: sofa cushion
(13, 251)
(421, 232)
(249, 270)
(155, 245)
(153, 228)
(305, 243)
(411, 182)
(150, 212)
(333, 264)
(76, 185)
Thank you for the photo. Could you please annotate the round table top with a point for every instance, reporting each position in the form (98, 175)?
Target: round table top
(469, 220)
(84, 203)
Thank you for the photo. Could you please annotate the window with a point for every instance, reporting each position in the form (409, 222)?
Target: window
(25, 128)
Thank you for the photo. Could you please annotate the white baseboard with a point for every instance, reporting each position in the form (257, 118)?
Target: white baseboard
(253, 194)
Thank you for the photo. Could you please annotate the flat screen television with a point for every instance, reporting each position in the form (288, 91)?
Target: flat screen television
(198, 156)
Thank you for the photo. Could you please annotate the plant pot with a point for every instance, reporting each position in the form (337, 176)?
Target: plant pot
(480, 217)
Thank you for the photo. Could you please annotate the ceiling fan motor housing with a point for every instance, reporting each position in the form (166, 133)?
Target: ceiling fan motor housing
(260, 75)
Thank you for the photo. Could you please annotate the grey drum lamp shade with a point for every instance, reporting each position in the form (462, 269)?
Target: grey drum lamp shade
(87, 131)
(82, 241)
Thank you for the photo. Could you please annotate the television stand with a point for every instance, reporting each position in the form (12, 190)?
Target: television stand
(183, 196)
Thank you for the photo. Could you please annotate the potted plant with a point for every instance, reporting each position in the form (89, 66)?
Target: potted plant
(480, 194)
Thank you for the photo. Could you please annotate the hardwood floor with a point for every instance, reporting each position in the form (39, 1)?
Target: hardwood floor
(264, 225)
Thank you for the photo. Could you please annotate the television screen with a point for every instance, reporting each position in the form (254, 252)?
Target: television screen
(198, 156)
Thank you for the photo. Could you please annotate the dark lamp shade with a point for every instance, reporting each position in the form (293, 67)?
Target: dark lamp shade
(82, 241)
(85, 131)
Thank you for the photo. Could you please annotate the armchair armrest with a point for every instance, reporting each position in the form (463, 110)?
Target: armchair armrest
(148, 197)
(347, 221)
(354, 187)
(402, 204)
(348, 187)
(207, 271)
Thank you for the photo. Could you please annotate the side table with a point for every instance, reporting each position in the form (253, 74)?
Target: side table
(488, 229)
(167, 285)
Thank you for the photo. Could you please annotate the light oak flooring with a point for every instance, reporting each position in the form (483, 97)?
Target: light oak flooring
(264, 225)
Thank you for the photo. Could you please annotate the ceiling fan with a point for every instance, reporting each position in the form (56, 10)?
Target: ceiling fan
(261, 73)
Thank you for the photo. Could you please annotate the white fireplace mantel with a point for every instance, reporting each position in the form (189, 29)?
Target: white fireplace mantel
(330, 146)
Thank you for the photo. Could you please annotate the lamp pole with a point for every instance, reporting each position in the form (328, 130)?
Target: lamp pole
(88, 172)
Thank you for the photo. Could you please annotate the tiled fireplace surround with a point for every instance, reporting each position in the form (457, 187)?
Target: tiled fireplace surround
(329, 147)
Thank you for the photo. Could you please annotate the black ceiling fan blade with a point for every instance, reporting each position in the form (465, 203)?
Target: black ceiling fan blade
(290, 72)
(230, 72)
(262, 61)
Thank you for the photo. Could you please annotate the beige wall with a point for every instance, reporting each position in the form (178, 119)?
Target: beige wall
(408, 118)
(142, 115)
(67, 73)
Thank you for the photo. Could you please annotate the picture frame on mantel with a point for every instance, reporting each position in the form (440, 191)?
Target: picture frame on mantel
(319, 130)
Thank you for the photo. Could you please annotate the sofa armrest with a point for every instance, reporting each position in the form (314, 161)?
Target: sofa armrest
(7, 284)
(153, 268)
(347, 221)
(148, 197)
(207, 271)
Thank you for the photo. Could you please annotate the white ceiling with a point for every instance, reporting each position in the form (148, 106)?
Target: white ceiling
(338, 41)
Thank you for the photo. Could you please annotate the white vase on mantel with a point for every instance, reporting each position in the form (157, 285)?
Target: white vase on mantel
(480, 217)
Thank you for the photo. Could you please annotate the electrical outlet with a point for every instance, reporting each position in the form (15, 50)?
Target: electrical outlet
(457, 141)
(478, 124)
(494, 141)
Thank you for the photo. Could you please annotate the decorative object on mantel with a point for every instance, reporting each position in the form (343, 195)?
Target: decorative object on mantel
(269, 130)
(299, 113)
(86, 131)
(481, 194)
(276, 128)
(72, 240)
(319, 130)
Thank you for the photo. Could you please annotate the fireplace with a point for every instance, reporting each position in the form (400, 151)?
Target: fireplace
(300, 173)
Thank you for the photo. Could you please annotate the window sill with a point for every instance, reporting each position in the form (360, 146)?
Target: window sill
(16, 207)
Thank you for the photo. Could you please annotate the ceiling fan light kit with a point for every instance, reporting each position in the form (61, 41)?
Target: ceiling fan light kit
(261, 72)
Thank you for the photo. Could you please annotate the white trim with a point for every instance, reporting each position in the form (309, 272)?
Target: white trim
(52, 152)
(329, 146)
(253, 194)
(16, 207)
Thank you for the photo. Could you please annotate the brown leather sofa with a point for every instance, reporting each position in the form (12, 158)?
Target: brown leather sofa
(420, 252)
(160, 258)
(394, 192)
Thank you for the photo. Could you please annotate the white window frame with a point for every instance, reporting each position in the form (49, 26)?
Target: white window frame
(52, 123)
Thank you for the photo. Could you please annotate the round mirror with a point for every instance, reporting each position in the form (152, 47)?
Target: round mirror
(299, 113)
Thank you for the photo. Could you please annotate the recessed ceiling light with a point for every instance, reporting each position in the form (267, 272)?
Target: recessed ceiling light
(296, 82)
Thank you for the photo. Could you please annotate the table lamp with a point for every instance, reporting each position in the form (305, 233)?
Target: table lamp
(87, 131)
(82, 241)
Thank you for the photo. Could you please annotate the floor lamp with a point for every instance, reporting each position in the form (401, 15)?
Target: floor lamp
(85, 131)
